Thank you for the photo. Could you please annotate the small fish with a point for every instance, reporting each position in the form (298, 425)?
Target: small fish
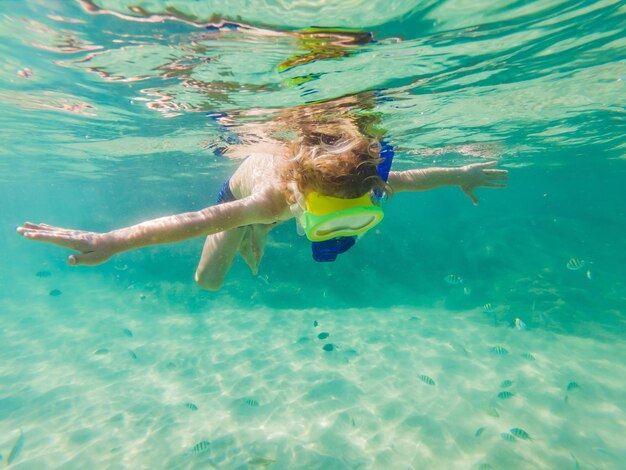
(488, 308)
(467, 290)
(506, 383)
(508, 437)
(191, 406)
(328, 347)
(520, 433)
(251, 402)
(427, 380)
(201, 447)
(453, 279)
(505, 395)
(323, 335)
(55, 292)
(574, 264)
(528, 357)
(589, 275)
(499, 350)
(261, 462)
(43, 274)
(17, 448)
(315, 323)
(479, 431)
(572, 386)
(132, 354)
(127, 332)
(520, 325)
(101, 351)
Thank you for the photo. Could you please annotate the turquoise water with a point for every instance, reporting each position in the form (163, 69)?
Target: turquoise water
(109, 118)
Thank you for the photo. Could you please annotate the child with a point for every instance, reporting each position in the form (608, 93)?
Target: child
(327, 174)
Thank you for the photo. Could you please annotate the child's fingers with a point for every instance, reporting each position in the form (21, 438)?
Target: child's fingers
(56, 238)
(28, 226)
(496, 173)
(486, 164)
(469, 193)
(91, 258)
(43, 236)
(31, 225)
(41, 226)
(45, 228)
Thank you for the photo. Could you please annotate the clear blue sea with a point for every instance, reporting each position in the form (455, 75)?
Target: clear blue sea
(116, 111)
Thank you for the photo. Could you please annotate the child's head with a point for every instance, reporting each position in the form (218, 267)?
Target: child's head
(333, 158)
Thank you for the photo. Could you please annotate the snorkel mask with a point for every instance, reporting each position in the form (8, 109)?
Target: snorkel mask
(327, 217)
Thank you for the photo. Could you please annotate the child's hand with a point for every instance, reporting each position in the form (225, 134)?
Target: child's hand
(95, 248)
(478, 175)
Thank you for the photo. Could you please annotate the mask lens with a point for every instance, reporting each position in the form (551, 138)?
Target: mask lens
(347, 224)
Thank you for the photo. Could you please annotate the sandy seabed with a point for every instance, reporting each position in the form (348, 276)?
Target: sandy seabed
(95, 377)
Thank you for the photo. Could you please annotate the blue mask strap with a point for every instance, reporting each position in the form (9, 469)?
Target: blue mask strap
(384, 167)
(386, 152)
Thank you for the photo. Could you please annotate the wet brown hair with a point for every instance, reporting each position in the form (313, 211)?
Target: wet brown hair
(331, 156)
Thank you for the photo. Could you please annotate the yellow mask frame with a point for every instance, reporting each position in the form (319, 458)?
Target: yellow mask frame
(329, 217)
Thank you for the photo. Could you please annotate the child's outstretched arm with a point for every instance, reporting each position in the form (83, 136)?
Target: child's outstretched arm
(468, 178)
(96, 248)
